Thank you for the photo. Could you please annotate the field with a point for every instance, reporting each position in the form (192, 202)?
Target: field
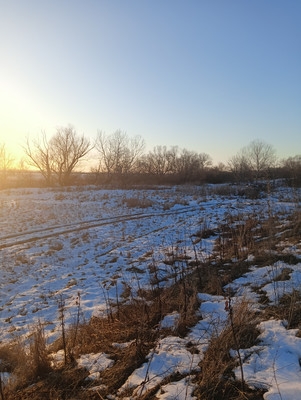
(215, 258)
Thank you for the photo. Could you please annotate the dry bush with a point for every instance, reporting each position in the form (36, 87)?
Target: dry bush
(16, 361)
(223, 190)
(237, 237)
(135, 320)
(32, 377)
(263, 237)
(204, 231)
(68, 383)
(137, 202)
(212, 280)
(167, 205)
(213, 275)
(26, 362)
(293, 230)
(38, 352)
(55, 246)
(135, 326)
(288, 309)
(60, 197)
(216, 379)
(9, 354)
(189, 304)
(22, 259)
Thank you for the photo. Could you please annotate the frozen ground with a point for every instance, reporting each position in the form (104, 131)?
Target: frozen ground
(56, 244)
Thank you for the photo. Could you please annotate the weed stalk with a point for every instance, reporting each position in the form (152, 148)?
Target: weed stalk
(1, 388)
(62, 309)
(228, 307)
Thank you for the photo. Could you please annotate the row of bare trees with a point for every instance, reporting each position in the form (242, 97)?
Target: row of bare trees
(119, 156)
(292, 170)
(259, 161)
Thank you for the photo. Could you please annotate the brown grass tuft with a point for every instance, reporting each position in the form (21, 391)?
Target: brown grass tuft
(217, 380)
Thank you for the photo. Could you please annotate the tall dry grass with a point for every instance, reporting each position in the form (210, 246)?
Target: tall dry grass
(216, 379)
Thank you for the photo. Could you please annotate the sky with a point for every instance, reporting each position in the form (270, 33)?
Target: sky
(205, 75)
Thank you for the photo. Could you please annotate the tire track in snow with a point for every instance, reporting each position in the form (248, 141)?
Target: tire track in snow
(38, 234)
(142, 235)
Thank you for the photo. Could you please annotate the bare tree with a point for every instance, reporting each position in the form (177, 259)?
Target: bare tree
(253, 161)
(172, 158)
(162, 161)
(180, 164)
(38, 156)
(133, 151)
(292, 168)
(6, 162)
(58, 157)
(205, 161)
(67, 149)
(118, 152)
(240, 167)
(106, 161)
(6, 159)
(158, 161)
(261, 157)
(188, 167)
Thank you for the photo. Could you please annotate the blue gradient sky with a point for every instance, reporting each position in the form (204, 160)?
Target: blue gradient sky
(207, 75)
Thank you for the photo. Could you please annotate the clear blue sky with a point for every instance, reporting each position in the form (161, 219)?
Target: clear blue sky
(207, 75)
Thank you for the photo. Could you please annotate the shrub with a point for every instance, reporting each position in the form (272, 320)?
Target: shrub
(25, 362)
(137, 202)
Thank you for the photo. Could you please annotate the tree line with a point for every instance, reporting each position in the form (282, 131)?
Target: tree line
(120, 158)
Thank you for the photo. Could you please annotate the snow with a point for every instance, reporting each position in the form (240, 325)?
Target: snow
(170, 320)
(170, 356)
(275, 363)
(180, 390)
(266, 278)
(58, 244)
(94, 363)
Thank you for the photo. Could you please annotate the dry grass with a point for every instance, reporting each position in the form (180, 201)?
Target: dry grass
(26, 363)
(137, 202)
(216, 380)
(135, 322)
(288, 309)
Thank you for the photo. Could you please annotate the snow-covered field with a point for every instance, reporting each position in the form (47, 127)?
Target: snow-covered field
(58, 243)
